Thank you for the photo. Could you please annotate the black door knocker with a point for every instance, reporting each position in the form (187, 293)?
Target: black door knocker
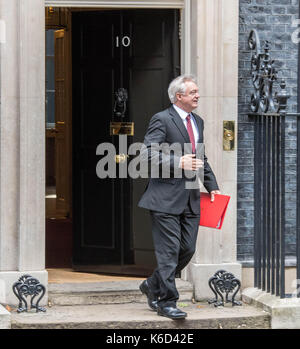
(121, 97)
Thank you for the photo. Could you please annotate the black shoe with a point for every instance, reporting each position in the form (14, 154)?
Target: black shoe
(152, 299)
(171, 312)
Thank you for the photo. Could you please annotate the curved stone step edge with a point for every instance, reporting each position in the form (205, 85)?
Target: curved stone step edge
(111, 286)
(106, 293)
(105, 298)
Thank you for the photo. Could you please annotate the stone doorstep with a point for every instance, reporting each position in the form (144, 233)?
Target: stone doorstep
(113, 292)
(285, 313)
(139, 316)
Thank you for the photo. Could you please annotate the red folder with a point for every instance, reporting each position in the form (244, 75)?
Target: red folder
(212, 214)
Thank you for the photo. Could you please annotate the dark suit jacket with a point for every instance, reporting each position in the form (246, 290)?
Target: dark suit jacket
(169, 195)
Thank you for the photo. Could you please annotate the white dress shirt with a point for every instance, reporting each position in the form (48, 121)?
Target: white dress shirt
(183, 114)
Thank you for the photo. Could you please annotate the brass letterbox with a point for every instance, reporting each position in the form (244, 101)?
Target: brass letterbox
(121, 128)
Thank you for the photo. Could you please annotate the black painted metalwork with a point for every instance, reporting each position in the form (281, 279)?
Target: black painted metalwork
(298, 176)
(28, 286)
(269, 110)
(263, 74)
(224, 282)
(121, 97)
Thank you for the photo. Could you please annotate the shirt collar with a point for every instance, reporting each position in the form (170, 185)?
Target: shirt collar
(183, 114)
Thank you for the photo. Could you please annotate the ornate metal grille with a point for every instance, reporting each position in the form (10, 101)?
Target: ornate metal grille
(221, 283)
(28, 286)
(269, 111)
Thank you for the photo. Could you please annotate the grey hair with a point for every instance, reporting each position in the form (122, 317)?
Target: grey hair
(178, 86)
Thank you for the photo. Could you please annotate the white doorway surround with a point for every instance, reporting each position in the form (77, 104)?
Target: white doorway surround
(209, 50)
(116, 4)
(183, 5)
(22, 151)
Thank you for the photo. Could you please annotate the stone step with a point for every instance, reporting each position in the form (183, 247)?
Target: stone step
(113, 292)
(139, 316)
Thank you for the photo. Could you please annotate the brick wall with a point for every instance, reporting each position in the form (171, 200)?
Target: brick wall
(273, 21)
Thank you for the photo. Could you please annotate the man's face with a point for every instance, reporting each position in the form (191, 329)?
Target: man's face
(189, 100)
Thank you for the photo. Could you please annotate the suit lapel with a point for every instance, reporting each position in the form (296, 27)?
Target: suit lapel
(179, 123)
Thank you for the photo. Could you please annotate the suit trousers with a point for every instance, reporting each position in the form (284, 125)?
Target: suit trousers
(174, 238)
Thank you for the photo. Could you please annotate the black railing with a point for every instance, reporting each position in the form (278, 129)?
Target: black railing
(269, 199)
(269, 112)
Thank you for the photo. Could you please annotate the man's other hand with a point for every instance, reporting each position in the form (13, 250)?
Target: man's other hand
(212, 194)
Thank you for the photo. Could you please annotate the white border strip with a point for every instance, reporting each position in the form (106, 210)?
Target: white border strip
(115, 4)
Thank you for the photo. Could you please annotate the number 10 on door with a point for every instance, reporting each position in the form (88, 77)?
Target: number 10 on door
(125, 41)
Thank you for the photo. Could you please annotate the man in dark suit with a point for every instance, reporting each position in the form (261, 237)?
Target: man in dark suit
(174, 208)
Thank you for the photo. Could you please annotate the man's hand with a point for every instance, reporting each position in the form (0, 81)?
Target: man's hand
(190, 162)
(212, 194)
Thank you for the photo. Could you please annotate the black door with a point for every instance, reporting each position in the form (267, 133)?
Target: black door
(133, 49)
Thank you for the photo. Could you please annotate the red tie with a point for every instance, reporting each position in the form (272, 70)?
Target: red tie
(190, 132)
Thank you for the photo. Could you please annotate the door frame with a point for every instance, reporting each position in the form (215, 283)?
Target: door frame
(183, 5)
(117, 4)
